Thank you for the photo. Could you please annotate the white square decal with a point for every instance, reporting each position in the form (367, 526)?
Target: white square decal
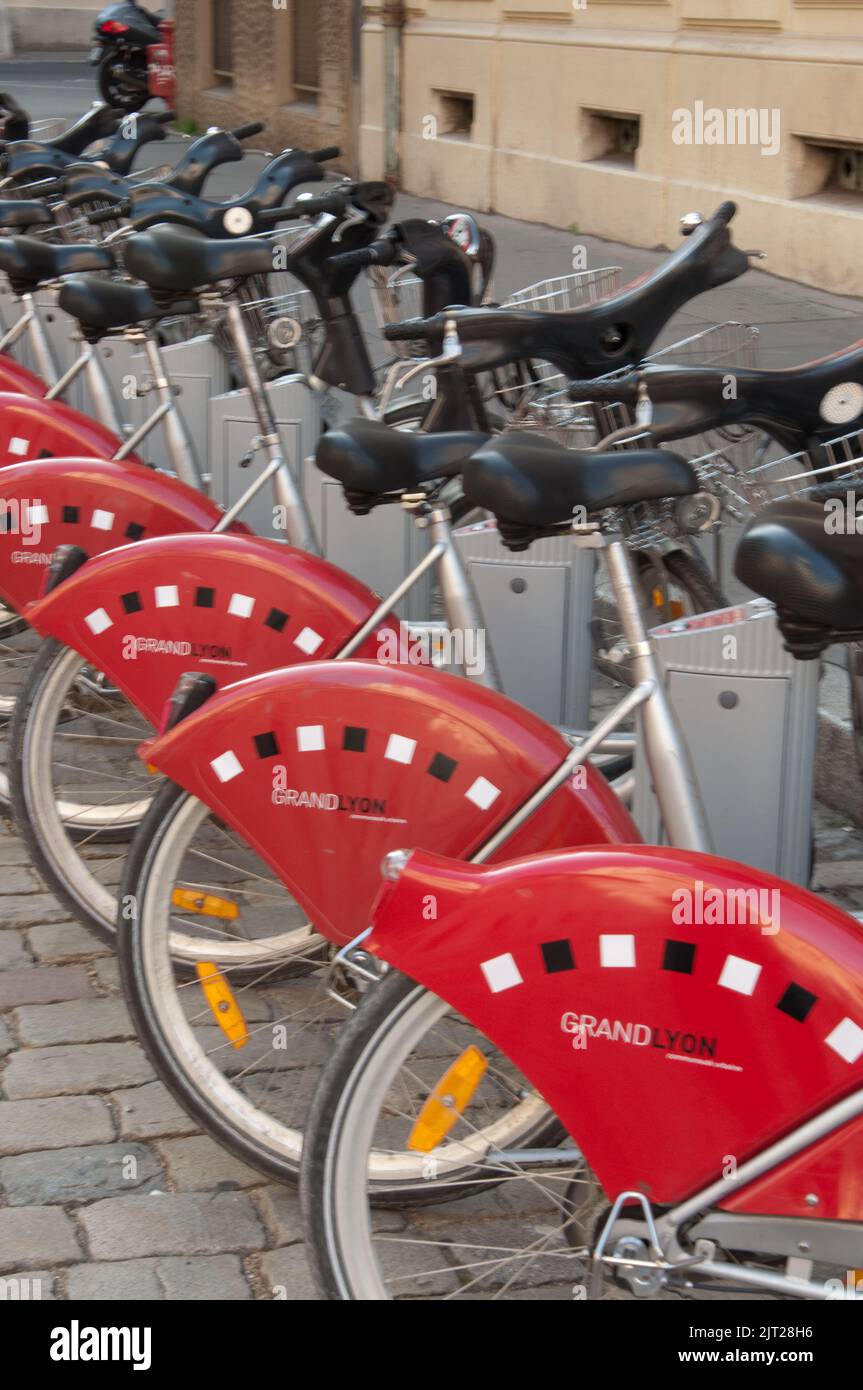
(740, 975)
(399, 749)
(482, 793)
(241, 605)
(102, 521)
(98, 621)
(226, 766)
(167, 596)
(847, 1040)
(37, 515)
(18, 446)
(310, 738)
(308, 641)
(501, 973)
(617, 951)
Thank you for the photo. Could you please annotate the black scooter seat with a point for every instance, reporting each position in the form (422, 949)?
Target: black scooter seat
(787, 555)
(103, 305)
(28, 261)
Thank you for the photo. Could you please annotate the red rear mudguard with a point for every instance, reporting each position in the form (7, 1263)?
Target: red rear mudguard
(32, 428)
(228, 605)
(326, 767)
(668, 1046)
(91, 503)
(19, 379)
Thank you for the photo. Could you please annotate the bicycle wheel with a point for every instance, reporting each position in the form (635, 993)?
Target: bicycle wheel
(18, 647)
(524, 1231)
(78, 788)
(201, 899)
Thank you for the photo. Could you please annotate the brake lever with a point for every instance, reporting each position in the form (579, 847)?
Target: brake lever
(451, 350)
(756, 255)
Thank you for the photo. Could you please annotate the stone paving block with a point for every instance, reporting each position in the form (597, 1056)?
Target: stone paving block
(286, 1275)
(32, 1236)
(6, 1042)
(197, 1164)
(107, 974)
(13, 851)
(13, 953)
(28, 1286)
(79, 1174)
(78, 1021)
(31, 910)
(74, 1070)
(205, 1278)
(19, 879)
(31, 1125)
(132, 1281)
(46, 986)
(280, 1211)
(54, 942)
(172, 1224)
(149, 1111)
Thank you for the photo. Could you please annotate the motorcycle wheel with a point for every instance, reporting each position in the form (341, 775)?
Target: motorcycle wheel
(117, 89)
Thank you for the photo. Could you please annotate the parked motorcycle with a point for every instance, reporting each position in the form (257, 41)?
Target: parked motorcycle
(123, 34)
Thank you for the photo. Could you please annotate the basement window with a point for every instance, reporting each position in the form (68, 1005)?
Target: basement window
(455, 112)
(832, 172)
(611, 136)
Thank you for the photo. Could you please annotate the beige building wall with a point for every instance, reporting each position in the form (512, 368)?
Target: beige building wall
(526, 106)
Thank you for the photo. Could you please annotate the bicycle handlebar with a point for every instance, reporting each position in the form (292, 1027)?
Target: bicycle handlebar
(382, 252)
(328, 152)
(244, 131)
(120, 209)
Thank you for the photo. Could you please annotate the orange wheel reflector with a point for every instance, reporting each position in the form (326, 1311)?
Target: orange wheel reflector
(676, 608)
(204, 904)
(448, 1100)
(223, 1002)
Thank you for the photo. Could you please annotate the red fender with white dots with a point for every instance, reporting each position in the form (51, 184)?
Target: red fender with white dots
(324, 768)
(679, 1012)
(227, 605)
(17, 378)
(96, 504)
(33, 428)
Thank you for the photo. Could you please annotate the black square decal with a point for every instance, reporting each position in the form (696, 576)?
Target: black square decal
(354, 740)
(797, 1002)
(557, 956)
(131, 603)
(442, 767)
(134, 531)
(679, 956)
(276, 619)
(204, 598)
(71, 515)
(266, 745)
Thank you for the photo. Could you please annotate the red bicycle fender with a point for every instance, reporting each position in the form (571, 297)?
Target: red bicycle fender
(227, 605)
(19, 379)
(324, 768)
(93, 503)
(32, 428)
(673, 1046)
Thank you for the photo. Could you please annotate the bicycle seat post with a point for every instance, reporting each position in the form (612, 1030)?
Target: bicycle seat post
(671, 769)
(298, 524)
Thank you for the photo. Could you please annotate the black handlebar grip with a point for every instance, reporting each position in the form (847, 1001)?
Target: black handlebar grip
(163, 117)
(101, 215)
(349, 259)
(725, 212)
(328, 152)
(244, 131)
(405, 332)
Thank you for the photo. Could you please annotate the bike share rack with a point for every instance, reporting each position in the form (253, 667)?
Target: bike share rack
(749, 714)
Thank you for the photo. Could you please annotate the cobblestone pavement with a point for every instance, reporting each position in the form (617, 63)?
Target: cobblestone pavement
(107, 1190)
